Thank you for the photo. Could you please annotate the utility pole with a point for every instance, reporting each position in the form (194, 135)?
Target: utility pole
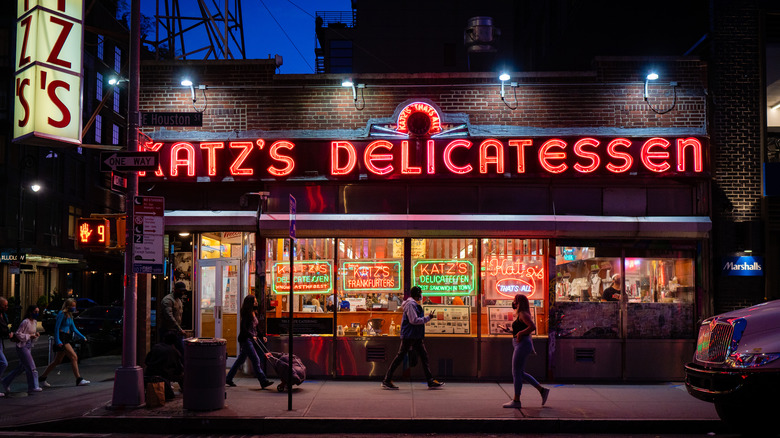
(128, 380)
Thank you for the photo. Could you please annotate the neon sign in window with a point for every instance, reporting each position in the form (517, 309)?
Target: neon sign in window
(371, 276)
(310, 277)
(444, 277)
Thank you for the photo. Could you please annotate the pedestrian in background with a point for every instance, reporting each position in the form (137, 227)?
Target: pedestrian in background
(26, 335)
(522, 327)
(5, 333)
(249, 336)
(170, 318)
(412, 334)
(65, 332)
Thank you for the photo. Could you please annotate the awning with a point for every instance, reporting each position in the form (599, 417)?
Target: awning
(428, 225)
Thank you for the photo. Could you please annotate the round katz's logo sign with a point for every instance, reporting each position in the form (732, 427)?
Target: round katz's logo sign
(419, 118)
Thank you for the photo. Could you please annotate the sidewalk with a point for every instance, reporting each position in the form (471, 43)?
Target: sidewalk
(341, 406)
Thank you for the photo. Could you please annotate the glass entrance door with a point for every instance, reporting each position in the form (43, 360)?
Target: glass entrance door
(219, 294)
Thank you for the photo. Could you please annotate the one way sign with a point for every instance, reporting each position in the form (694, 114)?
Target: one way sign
(128, 161)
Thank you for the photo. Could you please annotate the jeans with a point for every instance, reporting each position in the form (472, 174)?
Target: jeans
(523, 349)
(406, 345)
(3, 359)
(26, 365)
(248, 350)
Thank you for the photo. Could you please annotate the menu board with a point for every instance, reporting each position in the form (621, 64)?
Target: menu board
(448, 319)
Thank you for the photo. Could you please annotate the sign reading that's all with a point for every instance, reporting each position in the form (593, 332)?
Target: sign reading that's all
(47, 86)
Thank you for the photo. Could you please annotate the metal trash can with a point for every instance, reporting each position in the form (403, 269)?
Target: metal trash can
(204, 373)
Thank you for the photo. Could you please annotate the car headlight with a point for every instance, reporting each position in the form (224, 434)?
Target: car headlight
(751, 360)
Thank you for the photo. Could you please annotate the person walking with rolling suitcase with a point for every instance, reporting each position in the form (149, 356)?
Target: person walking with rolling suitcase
(248, 335)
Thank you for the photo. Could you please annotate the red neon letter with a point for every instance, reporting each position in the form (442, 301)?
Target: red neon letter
(405, 168)
(235, 168)
(498, 159)
(54, 55)
(592, 156)
(648, 156)
(448, 157)
(682, 144)
(369, 157)
(154, 147)
(211, 156)
(431, 153)
(614, 153)
(52, 92)
(188, 160)
(20, 86)
(273, 152)
(335, 146)
(545, 155)
(520, 145)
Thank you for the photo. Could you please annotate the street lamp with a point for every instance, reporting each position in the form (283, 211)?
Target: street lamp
(35, 188)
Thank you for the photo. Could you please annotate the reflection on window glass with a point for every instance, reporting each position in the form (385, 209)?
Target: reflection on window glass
(510, 267)
(220, 245)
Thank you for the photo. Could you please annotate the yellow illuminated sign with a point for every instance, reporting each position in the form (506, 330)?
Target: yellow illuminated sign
(47, 86)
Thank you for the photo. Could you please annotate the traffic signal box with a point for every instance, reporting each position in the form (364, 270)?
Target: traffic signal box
(93, 233)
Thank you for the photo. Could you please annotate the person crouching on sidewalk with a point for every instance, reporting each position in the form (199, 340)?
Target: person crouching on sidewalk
(412, 334)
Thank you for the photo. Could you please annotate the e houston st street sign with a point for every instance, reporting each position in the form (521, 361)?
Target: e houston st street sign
(171, 119)
(128, 161)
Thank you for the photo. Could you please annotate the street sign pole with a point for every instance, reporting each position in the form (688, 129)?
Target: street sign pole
(291, 302)
(128, 380)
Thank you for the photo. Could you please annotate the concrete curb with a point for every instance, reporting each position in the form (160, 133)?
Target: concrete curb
(267, 425)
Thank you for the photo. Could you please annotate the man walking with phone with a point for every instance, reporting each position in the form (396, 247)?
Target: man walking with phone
(412, 335)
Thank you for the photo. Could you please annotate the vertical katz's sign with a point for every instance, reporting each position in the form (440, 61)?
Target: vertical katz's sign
(47, 86)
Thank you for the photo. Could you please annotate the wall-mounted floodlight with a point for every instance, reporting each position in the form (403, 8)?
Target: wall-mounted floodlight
(116, 81)
(351, 84)
(503, 77)
(653, 76)
(35, 187)
(186, 82)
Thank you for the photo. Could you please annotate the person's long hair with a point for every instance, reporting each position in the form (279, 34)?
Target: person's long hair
(248, 307)
(66, 306)
(30, 310)
(521, 304)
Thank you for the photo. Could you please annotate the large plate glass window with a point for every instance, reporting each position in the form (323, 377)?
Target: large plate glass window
(511, 267)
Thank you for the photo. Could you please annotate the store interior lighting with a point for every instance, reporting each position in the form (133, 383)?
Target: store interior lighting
(349, 83)
(653, 76)
(504, 77)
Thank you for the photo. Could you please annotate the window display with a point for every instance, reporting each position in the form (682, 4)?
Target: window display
(510, 267)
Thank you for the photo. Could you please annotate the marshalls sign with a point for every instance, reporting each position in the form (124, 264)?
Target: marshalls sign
(47, 85)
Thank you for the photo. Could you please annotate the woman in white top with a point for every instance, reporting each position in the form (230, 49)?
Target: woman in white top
(26, 335)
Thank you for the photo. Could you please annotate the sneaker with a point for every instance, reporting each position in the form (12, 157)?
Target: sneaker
(83, 382)
(513, 404)
(45, 384)
(545, 394)
(266, 383)
(386, 384)
(230, 383)
(433, 384)
(39, 389)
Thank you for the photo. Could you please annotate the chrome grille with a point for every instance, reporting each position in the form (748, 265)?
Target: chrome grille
(714, 341)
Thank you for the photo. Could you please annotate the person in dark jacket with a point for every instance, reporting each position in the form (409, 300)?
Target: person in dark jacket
(412, 334)
(249, 336)
(5, 333)
(165, 361)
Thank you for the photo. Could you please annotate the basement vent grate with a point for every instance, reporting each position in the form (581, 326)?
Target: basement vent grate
(585, 355)
(375, 354)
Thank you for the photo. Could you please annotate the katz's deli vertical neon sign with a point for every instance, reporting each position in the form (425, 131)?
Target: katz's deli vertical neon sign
(258, 159)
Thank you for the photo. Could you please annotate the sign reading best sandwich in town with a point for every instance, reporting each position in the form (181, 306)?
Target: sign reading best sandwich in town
(47, 83)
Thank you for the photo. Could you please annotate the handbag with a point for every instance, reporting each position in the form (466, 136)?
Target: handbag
(155, 394)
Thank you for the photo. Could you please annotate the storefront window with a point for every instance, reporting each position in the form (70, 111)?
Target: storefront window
(220, 245)
(369, 287)
(446, 271)
(593, 293)
(313, 270)
(510, 267)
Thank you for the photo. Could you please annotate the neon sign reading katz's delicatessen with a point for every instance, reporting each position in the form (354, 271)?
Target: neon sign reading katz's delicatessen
(260, 159)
